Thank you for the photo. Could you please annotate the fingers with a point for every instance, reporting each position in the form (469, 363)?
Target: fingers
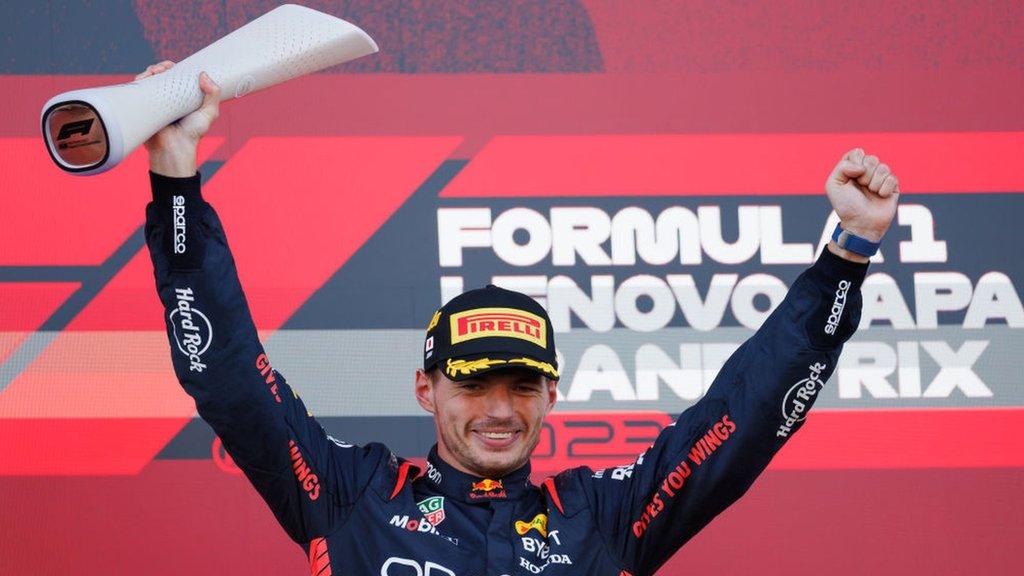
(207, 85)
(890, 187)
(849, 167)
(882, 172)
(874, 175)
(155, 69)
(851, 170)
(198, 123)
(866, 169)
(844, 171)
(870, 163)
(211, 96)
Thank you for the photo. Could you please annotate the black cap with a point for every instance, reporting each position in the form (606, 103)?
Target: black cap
(487, 329)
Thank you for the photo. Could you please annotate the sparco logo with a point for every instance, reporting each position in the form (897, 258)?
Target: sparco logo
(192, 329)
(798, 399)
(178, 215)
(838, 304)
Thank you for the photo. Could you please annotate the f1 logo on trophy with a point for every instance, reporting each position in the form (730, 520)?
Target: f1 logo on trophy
(91, 130)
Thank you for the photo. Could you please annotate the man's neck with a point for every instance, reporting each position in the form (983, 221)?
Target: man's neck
(471, 486)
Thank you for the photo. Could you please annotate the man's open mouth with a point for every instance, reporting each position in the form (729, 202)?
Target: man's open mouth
(497, 439)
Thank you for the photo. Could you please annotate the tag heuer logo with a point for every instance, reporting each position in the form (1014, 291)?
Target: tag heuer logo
(432, 509)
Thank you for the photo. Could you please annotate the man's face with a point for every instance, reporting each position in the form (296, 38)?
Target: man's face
(489, 425)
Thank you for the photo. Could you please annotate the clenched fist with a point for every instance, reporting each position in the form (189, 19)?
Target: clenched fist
(864, 193)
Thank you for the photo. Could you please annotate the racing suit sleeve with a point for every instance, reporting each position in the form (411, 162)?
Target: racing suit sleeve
(711, 455)
(309, 480)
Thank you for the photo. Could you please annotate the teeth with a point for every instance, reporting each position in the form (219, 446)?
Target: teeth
(498, 435)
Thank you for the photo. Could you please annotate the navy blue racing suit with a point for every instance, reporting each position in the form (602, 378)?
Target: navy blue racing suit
(362, 510)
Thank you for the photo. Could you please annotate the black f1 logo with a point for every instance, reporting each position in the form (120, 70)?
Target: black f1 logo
(71, 128)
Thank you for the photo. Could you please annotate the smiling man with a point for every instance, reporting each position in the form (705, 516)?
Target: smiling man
(489, 378)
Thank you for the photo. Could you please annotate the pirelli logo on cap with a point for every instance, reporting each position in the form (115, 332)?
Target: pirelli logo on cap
(500, 322)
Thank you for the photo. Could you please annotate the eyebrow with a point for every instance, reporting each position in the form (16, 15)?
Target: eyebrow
(526, 379)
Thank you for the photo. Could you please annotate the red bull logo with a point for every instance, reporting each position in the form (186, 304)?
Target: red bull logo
(499, 322)
(486, 485)
(487, 488)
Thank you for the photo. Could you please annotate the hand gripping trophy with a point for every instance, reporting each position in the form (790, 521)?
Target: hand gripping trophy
(91, 130)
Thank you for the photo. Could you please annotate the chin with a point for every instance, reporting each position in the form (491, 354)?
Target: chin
(502, 463)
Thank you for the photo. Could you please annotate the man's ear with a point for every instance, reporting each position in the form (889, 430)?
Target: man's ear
(552, 393)
(425, 391)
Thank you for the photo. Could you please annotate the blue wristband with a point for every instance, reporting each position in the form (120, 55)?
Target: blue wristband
(854, 243)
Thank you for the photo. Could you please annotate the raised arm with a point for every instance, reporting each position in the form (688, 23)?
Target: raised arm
(307, 478)
(716, 449)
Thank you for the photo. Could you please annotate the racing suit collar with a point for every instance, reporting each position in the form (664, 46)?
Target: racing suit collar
(474, 489)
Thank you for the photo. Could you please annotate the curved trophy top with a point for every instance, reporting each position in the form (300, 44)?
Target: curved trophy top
(91, 130)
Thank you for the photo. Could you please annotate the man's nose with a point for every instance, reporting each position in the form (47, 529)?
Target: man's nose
(499, 402)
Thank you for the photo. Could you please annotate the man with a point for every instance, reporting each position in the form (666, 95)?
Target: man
(489, 378)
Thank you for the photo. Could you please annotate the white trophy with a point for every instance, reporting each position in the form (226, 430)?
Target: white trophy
(91, 130)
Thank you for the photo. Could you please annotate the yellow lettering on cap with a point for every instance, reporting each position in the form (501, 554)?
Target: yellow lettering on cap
(433, 321)
(500, 323)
